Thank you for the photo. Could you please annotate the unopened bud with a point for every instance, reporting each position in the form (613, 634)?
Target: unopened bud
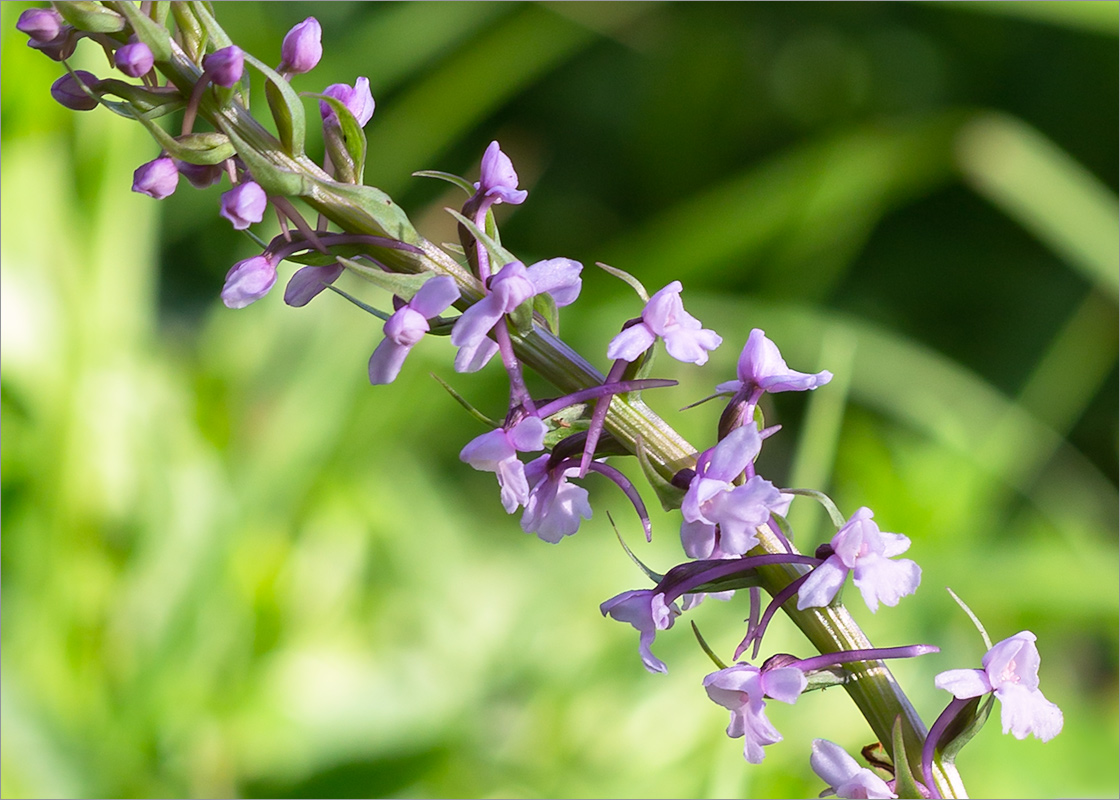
(225, 66)
(67, 91)
(244, 205)
(40, 24)
(156, 179)
(200, 175)
(134, 59)
(248, 281)
(302, 48)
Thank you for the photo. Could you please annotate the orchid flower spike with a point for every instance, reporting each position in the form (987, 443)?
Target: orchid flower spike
(742, 689)
(844, 776)
(1010, 672)
(714, 498)
(497, 451)
(510, 287)
(761, 368)
(861, 548)
(646, 610)
(664, 315)
(407, 326)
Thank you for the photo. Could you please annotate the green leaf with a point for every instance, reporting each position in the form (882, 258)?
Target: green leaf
(364, 306)
(89, 16)
(964, 726)
(462, 183)
(474, 412)
(347, 144)
(704, 646)
(498, 254)
(143, 100)
(286, 106)
(401, 285)
(670, 496)
(272, 178)
(377, 205)
(155, 36)
(905, 785)
(622, 275)
(545, 305)
(194, 148)
(833, 512)
(213, 30)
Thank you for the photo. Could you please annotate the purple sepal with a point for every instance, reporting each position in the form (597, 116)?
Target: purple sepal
(308, 282)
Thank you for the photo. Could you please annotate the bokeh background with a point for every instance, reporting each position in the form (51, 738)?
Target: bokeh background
(232, 568)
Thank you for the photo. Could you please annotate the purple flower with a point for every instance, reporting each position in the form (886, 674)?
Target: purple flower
(302, 48)
(497, 451)
(713, 498)
(200, 175)
(555, 507)
(248, 281)
(407, 326)
(134, 59)
(844, 776)
(156, 179)
(244, 205)
(761, 369)
(357, 99)
(647, 612)
(509, 288)
(42, 25)
(497, 178)
(1011, 673)
(69, 93)
(860, 547)
(741, 689)
(664, 316)
(225, 66)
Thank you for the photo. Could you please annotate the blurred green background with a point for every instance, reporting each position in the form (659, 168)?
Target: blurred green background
(231, 567)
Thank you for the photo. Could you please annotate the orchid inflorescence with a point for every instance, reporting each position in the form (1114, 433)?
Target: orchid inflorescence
(733, 526)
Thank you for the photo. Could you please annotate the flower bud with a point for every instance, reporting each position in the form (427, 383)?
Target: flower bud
(156, 179)
(244, 205)
(225, 66)
(357, 99)
(67, 91)
(42, 25)
(248, 281)
(200, 175)
(302, 47)
(134, 59)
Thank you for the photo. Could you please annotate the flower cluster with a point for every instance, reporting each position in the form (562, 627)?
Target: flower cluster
(732, 528)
